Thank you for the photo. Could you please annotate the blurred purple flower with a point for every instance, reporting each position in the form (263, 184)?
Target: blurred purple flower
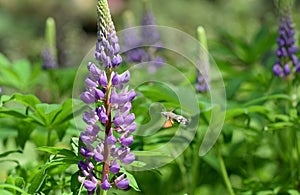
(287, 61)
(111, 115)
(202, 83)
(49, 60)
(136, 44)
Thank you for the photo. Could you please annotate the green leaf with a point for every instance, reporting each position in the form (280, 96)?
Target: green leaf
(23, 69)
(67, 112)
(5, 192)
(268, 97)
(61, 130)
(24, 131)
(12, 113)
(9, 186)
(159, 93)
(11, 161)
(265, 192)
(293, 192)
(56, 151)
(15, 181)
(231, 113)
(4, 62)
(75, 185)
(26, 100)
(37, 181)
(20, 182)
(279, 125)
(63, 161)
(47, 112)
(9, 78)
(138, 164)
(212, 161)
(3, 98)
(10, 152)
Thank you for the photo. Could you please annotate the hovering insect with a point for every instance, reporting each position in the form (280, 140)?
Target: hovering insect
(171, 117)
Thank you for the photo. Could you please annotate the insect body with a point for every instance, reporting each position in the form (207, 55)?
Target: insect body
(171, 117)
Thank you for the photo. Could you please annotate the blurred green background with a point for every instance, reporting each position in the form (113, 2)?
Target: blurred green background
(22, 22)
(241, 38)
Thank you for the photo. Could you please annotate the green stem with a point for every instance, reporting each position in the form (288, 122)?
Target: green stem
(103, 192)
(293, 132)
(195, 165)
(298, 153)
(291, 152)
(295, 159)
(106, 161)
(13, 188)
(54, 89)
(224, 172)
(49, 136)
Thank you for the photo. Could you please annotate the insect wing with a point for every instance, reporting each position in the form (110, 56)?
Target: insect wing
(182, 120)
(168, 123)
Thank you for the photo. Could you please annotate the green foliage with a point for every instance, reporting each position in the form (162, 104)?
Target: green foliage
(257, 151)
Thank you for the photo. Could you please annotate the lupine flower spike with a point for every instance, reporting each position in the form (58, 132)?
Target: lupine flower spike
(109, 125)
(287, 61)
(149, 36)
(202, 79)
(49, 54)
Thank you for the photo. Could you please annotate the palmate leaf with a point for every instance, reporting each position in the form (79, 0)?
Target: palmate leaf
(47, 112)
(69, 108)
(64, 158)
(24, 131)
(25, 100)
(50, 116)
(12, 113)
(250, 52)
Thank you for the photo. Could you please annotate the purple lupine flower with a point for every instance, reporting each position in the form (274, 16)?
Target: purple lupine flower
(122, 182)
(49, 60)
(135, 44)
(202, 78)
(150, 34)
(109, 113)
(49, 53)
(201, 83)
(115, 167)
(287, 61)
(105, 184)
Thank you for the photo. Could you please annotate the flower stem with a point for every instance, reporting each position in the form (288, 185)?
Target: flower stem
(196, 163)
(107, 105)
(224, 172)
(103, 192)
